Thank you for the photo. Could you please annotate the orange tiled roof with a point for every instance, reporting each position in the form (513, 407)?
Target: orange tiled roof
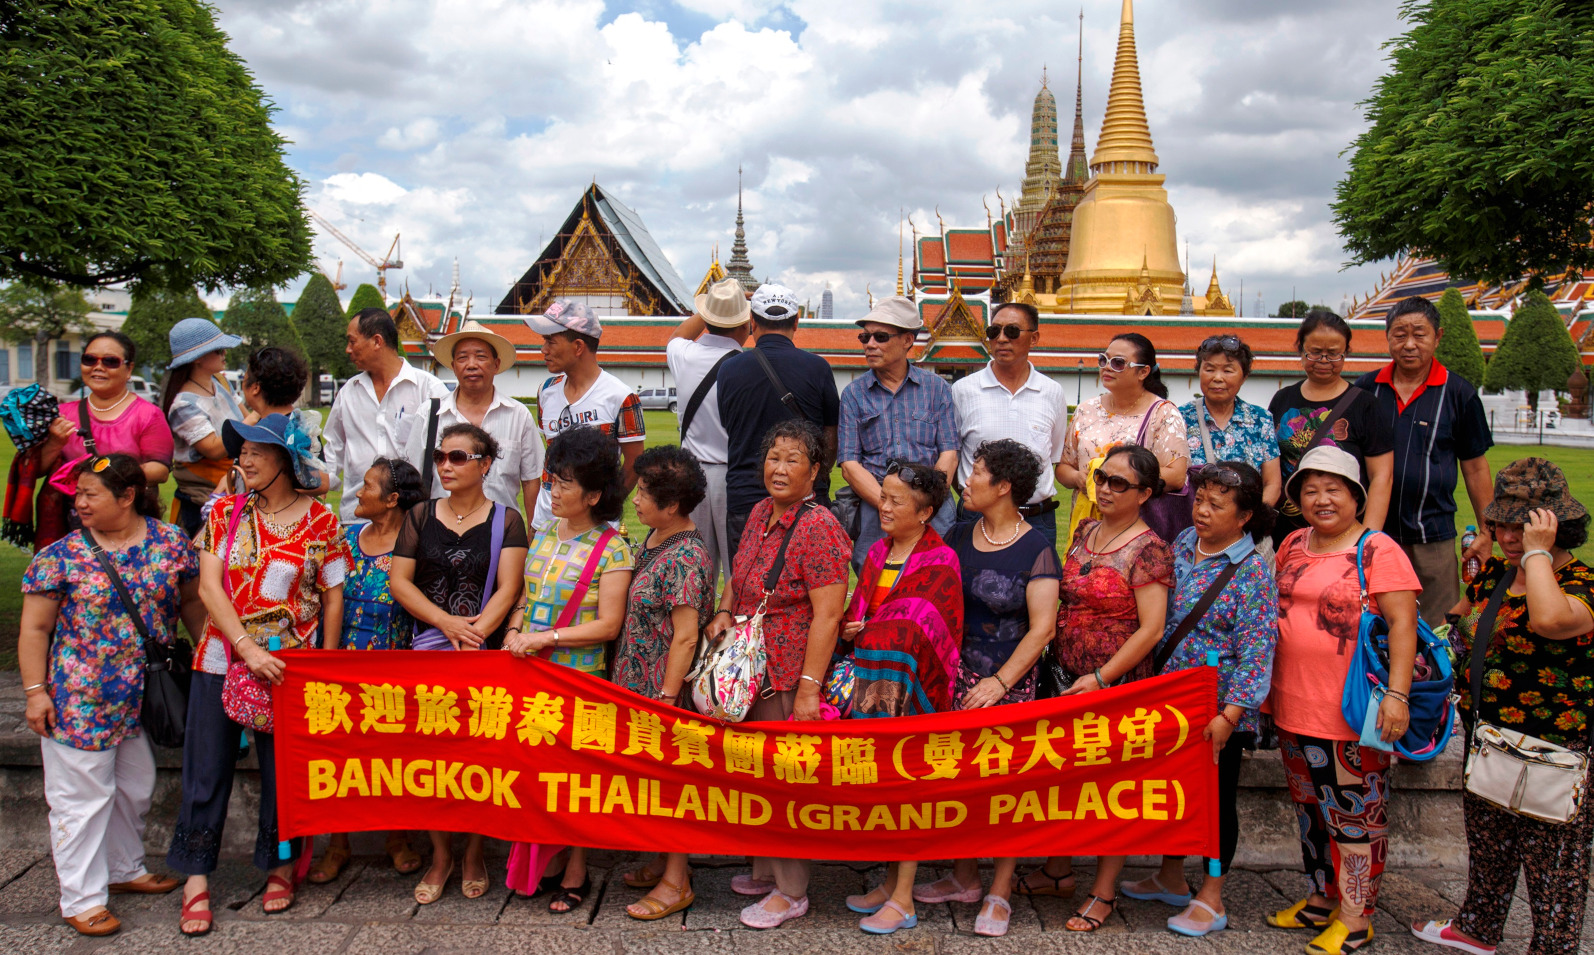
(969, 246)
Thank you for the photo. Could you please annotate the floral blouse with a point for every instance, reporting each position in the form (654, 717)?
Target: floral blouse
(1097, 614)
(819, 556)
(1250, 435)
(1093, 431)
(96, 674)
(1241, 625)
(553, 570)
(1532, 684)
(372, 619)
(677, 573)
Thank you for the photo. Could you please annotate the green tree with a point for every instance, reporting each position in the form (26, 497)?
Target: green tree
(1535, 353)
(318, 317)
(1476, 152)
(366, 296)
(40, 313)
(136, 146)
(151, 316)
(255, 315)
(1458, 349)
(1295, 309)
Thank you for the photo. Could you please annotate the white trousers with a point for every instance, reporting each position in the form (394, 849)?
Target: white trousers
(98, 800)
(709, 517)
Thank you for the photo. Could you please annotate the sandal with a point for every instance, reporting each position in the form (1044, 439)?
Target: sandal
(1090, 920)
(428, 892)
(571, 898)
(991, 926)
(1175, 899)
(1025, 887)
(474, 888)
(643, 878)
(283, 890)
(405, 859)
(330, 865)
(1338, 939)
(875, 925)
(191, 914)
(656, 910)
(1301, 915)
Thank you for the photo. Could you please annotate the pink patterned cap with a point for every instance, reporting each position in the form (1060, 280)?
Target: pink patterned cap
(566, 316)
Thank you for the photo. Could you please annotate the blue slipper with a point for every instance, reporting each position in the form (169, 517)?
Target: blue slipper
(1183, 925)
(908, 921)
(1164, 896)
(855, 905)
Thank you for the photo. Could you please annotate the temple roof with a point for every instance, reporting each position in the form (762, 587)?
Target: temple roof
(1125, 134)
(1425, 277)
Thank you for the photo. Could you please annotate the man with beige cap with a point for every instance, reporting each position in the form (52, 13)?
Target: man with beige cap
(894, 412)
(716, 330)
(477, 356)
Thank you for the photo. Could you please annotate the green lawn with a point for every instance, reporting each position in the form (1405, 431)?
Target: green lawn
(1578, 463)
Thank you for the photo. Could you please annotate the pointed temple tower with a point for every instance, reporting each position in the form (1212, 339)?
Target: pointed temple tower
(1043, 173)
(739, 268)
(1123, 252)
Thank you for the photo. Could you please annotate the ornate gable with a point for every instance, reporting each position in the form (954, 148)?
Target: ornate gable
(955, 323)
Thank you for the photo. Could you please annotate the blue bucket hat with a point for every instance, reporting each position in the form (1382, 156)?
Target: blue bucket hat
(282, 431)
(193, 337)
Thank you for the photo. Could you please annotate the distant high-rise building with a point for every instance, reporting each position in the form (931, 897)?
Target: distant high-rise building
(827, 304)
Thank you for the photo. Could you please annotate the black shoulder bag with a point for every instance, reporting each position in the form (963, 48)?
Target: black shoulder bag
(1482, 636)
(1196, 613)
(786, 397)
(696, 401)
(167, 669)
(84, 428)
(431, 445)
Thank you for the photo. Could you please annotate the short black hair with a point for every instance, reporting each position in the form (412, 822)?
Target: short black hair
(121, 473)
(1321, 318)
(129, 350)
(928, 484)
(401, 479)
(1409, 305)
(591, 458)
(1009, 461)
(587, 340)
(770, 324)
(672, 477)
(1030, 312)
(1148, 470)
(1247, 494)
(1231, 345)
(483, 443)
(280, 373)
(378, 321)
(800, 430)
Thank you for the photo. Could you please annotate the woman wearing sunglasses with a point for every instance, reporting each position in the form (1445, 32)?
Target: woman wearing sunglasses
(1354, 424)
(120, 423)
(1133, 410)
(904, 630)
(440, 577)
(1114, 599)
(197, 403)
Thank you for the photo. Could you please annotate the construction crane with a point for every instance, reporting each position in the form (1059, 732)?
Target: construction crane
(388, 261)
(336, 278)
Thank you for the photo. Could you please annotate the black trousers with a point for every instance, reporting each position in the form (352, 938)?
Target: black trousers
(1228, 793)
(210, 757)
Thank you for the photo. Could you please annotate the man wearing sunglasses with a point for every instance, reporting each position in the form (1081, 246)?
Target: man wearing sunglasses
(893, 412)
(1009, 398)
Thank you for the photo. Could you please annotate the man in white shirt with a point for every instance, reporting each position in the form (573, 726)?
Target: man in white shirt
(580, 393)
(1010, 399)
(477, 356)
(717, 330)
(373, 415)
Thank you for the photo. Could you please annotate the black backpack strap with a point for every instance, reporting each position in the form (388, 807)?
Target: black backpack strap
(1482, 636)
(773, 577)
(698, 396)
(1196, 613)
(786, 397)
(85, 427)
(431, 445)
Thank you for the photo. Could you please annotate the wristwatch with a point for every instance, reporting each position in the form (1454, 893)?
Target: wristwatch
(555, 637)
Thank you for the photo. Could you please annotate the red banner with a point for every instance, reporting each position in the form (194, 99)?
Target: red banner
(535, 752)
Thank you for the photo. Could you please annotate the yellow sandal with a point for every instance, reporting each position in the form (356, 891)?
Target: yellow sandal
(330, 865)
(657, 909)
(1338, 939)
(1301, 915)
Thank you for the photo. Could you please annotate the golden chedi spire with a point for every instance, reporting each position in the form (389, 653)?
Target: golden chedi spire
(1125, 134)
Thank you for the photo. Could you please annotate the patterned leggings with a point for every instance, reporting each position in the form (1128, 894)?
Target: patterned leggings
(1340, 792)
(1557, 862)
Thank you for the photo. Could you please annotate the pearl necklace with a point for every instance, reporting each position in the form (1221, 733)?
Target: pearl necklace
(1201, 551)
(1017, 530)
(114, 405)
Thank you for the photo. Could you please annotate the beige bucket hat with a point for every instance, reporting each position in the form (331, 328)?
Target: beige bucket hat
(1329, 460)
(895, 311)
(443, 348)
(724, 305)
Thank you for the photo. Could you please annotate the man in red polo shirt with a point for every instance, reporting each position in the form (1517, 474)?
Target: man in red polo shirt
(1441, 432)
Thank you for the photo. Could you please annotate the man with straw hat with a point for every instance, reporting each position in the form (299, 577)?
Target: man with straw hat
(701, 344)
(477, 356)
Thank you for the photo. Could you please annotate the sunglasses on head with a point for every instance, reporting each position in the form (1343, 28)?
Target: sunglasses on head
(455, 457)
(1223, 343)
(1113, 482)
(108, 362)
(100, 465)
(879, 337)
(1215, 474)
(1117, 363)
(1007, 331)
(912, 476)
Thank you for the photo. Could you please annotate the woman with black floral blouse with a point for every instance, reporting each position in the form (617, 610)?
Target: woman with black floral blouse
(1538, 680)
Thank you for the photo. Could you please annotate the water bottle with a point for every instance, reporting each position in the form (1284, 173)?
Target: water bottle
(1471, 565)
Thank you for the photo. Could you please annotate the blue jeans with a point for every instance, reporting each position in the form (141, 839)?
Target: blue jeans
(869, 528)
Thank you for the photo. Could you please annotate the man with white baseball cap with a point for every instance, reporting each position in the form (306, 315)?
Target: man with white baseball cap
(753, 398)
(580, 393)
(895, 411)
(701, 345)
(477, 357)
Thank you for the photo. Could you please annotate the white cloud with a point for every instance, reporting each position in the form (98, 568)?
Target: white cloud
(417, 134)
(365, 188)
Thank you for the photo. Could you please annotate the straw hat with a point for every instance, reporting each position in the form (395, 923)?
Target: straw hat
(724, 305)
(443, 348)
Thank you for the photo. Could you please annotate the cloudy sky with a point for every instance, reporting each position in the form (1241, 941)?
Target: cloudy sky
(471, 126)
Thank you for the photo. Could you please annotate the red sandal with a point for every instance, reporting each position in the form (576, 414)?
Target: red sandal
(191, 914)
(284, 890)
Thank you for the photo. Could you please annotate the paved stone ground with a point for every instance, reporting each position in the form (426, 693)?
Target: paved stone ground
(370, 911)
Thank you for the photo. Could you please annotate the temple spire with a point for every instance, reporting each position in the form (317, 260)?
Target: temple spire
(899, 252)
(1044, 169)
(1078, 170)
(1125, 134)
(739, 267)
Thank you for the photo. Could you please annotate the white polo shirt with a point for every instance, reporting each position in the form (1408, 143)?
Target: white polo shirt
(690, 362)
(1035, 416)
(361, 429)
(510, 423)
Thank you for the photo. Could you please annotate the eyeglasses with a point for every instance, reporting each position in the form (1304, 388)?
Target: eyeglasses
(455, 457)
(1323, 357)
(879, 337)
(108, 362)
(1216, 474)
(1009, 332)
(1117, 363)
(100, 465)
(912, 476)
(1223, 343)
(1113, 482)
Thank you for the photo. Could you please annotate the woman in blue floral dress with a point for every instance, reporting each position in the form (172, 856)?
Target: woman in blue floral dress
(82, 666)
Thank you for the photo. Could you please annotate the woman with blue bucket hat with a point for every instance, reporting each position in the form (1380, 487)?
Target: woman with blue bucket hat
(197, 403)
